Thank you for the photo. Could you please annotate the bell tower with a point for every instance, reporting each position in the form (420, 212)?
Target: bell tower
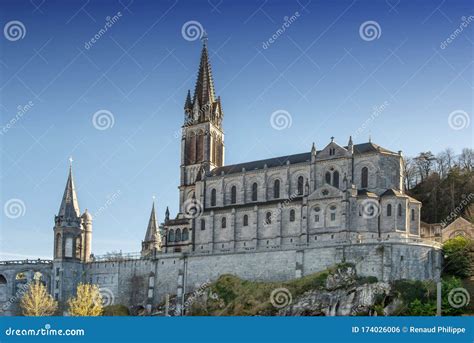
(202, 140)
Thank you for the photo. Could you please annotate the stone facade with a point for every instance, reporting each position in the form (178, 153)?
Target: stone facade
(268, 220)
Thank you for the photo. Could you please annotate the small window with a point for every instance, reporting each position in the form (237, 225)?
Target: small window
(292, 215)
(185, 235)
(254, 191)
(223, 222)
(399, 210)
(171, 236)
(246, 220)
(333, 217)
(213, 197)
(389, 210)
(412, 215)
(233, 195)
(268, 218)
(317, 209)
(276, 189)
(203, 224)
(300, 185)
(177, 236)
(316, 218)
(332, 208)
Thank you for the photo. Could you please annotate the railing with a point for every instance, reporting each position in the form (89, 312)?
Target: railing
(116, 257)
(37, 261)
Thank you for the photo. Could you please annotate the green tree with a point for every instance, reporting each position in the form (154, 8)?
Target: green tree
(456, 257)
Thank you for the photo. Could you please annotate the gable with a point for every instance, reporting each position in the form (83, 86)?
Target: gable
(332, 150)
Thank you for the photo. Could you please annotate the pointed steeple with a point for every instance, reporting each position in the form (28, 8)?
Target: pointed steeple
(69, 205)
(152, 230)
(188, 105)
(167, 214)
(204, 91)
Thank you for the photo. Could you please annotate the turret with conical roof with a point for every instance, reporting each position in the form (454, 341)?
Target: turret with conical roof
(152, 239)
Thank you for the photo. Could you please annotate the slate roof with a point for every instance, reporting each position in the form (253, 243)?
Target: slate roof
(359, 149)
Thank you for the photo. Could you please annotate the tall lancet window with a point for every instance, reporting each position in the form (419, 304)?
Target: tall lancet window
(276, 189)
(364, 177)
(335, 179)
(254, 191)
(233, 195)
(213, 197)
(300, 185)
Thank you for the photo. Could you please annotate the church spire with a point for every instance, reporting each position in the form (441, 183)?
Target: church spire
(69, 205)
(152, 230)
(204, 91)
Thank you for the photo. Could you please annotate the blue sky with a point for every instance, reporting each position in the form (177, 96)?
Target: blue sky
(325, 73)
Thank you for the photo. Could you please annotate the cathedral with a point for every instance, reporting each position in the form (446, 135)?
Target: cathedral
(268, 220)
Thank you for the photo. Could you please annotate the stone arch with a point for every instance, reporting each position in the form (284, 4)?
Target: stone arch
(3, 288)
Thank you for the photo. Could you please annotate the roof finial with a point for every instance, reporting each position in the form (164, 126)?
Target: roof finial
(204, 38)
(70, 161)
(332, 139)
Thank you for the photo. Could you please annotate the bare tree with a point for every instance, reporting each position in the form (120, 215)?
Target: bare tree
(466, 159)
(410, 173)
(424, 163)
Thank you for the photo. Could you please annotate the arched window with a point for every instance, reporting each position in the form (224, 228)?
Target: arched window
(185, 236)
(254, 191)
(233, 195)
(300, 185)
(276, 189)
(292, 215)
(3, 281)
(223, 222)
(268, 218)
(317, 211)
(203, 224)
(389, 210)
(328, 177)
(399, 210)
(213, 197)
(68, 247)
(364, 177)
(246, 220)
(412, 215)
(177, 236)
(335, 179)
(333, 212)
(171, 236)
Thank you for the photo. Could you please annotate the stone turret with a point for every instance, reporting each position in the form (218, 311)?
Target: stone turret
(152, 241)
